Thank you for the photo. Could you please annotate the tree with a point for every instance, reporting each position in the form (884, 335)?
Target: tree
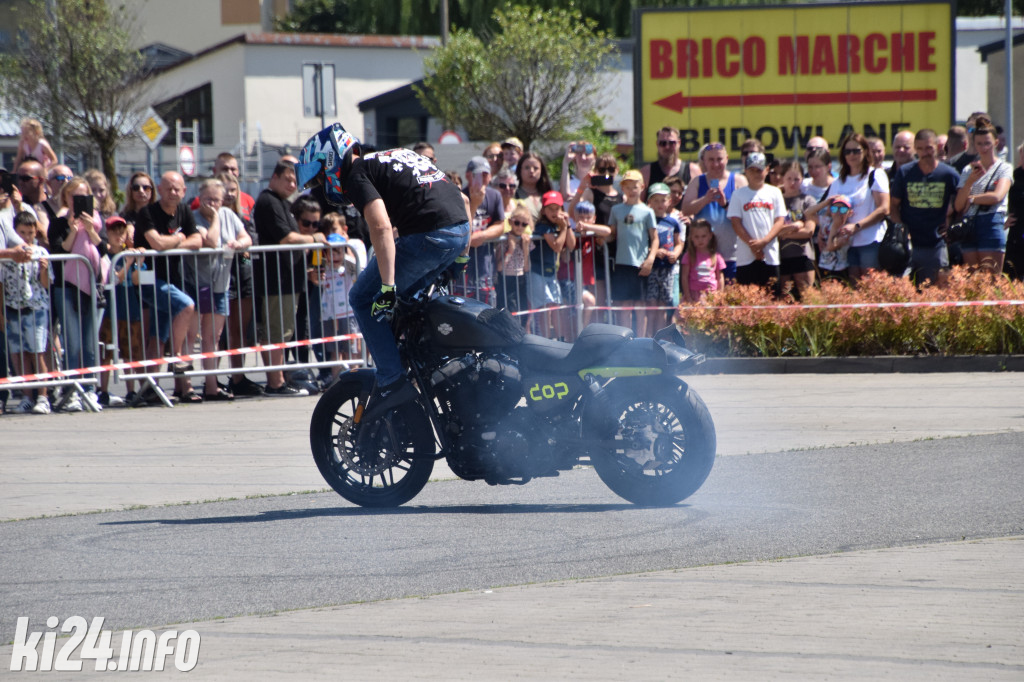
(75, 69)
(534, 79)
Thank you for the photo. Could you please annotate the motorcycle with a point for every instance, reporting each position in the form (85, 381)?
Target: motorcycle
(504, 406)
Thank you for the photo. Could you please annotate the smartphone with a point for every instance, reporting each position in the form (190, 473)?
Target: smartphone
(713, 183)
(601, 180)
(7, 183)
(82, 204)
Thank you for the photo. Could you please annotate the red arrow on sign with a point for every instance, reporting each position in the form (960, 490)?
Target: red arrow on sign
(679, 101)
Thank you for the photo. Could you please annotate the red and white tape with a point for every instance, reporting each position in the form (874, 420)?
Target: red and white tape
(137, 364)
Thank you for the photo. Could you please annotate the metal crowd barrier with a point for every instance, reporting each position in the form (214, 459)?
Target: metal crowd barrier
(64, 355)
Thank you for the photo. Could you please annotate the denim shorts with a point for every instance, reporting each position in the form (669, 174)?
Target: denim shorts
(864, 257)
(989, 233)
(27, 330)
(165, 301)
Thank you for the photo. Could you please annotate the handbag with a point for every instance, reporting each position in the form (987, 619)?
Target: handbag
(963, 229)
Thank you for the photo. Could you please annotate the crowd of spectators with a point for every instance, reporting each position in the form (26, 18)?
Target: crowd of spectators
(630, 246)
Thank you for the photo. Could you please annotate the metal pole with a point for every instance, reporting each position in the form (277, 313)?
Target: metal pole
(444, 22)
(1011, 141)
(318, 78)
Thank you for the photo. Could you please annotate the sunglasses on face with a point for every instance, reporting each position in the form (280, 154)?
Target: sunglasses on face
(26, 178)
(715, 146)
(842, 210)
(495, 155)
(667, 143)
(519, 223)
(142, 188)
(853, 152)
(811, 148)
(308, 223)
(505, 185)
(60, 178)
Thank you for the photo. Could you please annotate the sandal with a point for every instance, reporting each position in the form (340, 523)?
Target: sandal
(190, 397)
(221, 394)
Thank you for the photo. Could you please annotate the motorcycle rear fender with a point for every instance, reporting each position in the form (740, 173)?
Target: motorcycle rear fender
(644, 357)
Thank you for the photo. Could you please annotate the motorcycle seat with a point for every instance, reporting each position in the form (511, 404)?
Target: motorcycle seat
(596, 341)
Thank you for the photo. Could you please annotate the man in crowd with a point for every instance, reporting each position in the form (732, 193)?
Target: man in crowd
(488, 223)
(162, 226)
(920, 197)
(226, 162)
(668, 163)
(282, 275)
(32, 186)
(902, 151)
(708, 198)
(877, 148)
(56, 178)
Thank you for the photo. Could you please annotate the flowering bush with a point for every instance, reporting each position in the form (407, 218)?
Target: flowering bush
(747, 321)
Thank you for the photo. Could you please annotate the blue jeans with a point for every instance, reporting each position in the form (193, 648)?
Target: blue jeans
(419, 258)
(78, 337)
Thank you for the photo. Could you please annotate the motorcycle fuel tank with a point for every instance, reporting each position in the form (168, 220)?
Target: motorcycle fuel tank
(457, 322)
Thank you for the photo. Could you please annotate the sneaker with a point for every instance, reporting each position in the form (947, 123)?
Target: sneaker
(285, 391)
(130, 397)
(386, 398)
(73, 404)
(24, 407)
(245, 387)
(310, 387)
(94, 401)
(42, 405)
(107, 400)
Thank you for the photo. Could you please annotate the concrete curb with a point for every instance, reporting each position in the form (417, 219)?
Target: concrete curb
(896, 364)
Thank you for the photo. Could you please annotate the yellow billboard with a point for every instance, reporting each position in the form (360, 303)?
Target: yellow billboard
(786, 74)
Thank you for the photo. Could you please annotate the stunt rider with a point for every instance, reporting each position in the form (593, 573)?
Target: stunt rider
(397, 189)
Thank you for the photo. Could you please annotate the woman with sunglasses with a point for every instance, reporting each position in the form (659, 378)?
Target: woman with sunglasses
(140, 194)
(984, 185)
(868, 192)
(506, 183)
(668, 164)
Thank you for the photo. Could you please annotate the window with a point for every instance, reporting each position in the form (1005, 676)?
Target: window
(196, 104)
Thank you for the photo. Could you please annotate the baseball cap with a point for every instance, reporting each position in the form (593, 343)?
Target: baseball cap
(842, 200)
(552, 197)
(478, 164)
(632, 175)
(336, 239)
(658, 188)
(755, 160)
(513, 142)
(115, 221)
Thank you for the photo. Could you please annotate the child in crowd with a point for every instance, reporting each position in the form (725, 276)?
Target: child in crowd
(343, 262)
(553, 228)
(585, 215)
(512, 261)
(702, 268)
(634, 229)
(758, 214)
(33, 145)
(124, 305)
(663, 282)
(27, 311)
(831, 242)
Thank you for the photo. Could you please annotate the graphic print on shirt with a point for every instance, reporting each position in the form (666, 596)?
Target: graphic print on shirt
(423, 170)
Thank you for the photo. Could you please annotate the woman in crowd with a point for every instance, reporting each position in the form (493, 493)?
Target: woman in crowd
(868, 192)
(534, 182)
(506, 183)
(984, 185)
(579, 155)
(105, 204)
(74, 282)
(599, 189)
(141, 192)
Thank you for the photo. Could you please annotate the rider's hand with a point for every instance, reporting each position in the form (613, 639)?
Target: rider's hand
(459, 266)
(384, 303)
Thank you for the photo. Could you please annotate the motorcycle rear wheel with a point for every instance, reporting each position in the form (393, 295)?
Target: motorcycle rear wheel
(665, 447)
(385, 463)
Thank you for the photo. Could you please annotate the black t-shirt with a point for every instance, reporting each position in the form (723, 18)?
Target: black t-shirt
(153, 217)
(280, 273)
(418, 197)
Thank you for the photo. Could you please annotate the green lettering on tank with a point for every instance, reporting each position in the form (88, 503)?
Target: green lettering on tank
(611, 372)
(549, 391)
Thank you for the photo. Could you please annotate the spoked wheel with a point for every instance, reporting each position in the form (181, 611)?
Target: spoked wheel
(665, 446)
(380, 464)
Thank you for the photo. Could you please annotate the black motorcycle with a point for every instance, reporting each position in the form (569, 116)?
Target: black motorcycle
(505, 407)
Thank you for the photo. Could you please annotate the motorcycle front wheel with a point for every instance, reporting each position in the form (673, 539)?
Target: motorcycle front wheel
(384, 463)
(665, 445)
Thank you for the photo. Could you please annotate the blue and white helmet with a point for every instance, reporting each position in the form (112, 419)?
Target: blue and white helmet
(325, 151)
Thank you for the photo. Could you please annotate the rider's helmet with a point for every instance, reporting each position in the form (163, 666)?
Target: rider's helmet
(327, 157)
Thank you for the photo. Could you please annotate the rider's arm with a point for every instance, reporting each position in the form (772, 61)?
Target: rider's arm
(382, 238)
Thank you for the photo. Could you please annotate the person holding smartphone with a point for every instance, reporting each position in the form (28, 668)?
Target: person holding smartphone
(581, 155)
(76, 230)
(708, 198)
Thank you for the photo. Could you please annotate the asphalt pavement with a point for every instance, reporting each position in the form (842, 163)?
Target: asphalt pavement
(949, 609)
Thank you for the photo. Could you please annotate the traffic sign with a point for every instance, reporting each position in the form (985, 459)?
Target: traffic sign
(449, 137)
(187, 161)
(152, 129)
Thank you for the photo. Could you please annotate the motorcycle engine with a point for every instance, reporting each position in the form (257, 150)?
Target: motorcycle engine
(491, 436)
